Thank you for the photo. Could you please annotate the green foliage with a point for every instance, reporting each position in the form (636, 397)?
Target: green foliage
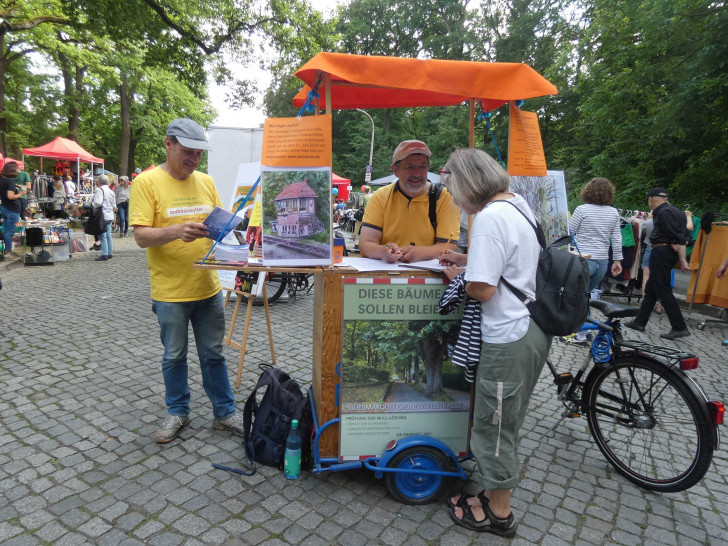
(353, 373)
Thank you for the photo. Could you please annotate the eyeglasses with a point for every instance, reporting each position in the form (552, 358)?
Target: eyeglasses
(442, 171)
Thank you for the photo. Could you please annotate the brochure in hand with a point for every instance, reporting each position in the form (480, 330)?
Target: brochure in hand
(218, 220)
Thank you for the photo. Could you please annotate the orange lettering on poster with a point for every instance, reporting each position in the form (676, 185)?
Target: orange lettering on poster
(297, 142)
(525, 149)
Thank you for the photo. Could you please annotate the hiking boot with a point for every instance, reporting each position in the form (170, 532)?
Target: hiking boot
(171, 428)
(635, 326)
(233, 423)
(674, 334)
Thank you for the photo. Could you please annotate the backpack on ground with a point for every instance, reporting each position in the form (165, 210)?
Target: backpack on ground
(266, 425)
(562, 286)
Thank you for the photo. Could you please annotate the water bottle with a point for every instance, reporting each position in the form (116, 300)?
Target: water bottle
(292, 458)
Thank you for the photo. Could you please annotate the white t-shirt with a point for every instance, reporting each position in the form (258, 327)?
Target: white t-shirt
(503, 244)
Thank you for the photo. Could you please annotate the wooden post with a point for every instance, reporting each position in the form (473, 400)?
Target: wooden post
(471, 124)
(327, 333)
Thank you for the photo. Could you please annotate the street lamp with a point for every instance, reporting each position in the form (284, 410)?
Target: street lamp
(368, 175)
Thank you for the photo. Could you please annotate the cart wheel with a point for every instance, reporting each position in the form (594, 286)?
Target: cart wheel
(701, 325)
(410, 488)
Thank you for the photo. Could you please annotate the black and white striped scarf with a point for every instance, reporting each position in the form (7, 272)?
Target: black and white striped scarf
(467, 347)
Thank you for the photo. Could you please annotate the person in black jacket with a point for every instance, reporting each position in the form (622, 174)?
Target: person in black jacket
(669, 238)
(10, 196)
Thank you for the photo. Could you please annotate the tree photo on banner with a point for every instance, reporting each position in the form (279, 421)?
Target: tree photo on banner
(396, 375)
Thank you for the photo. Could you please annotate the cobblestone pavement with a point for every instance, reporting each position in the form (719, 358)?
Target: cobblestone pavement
(81, 396)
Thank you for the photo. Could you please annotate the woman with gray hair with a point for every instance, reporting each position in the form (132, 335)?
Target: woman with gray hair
(503, 247)
(122, 205)
(105, 199)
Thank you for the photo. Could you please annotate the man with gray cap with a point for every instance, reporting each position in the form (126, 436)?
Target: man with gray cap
(167, 206)
(669, 238)
(409, 220)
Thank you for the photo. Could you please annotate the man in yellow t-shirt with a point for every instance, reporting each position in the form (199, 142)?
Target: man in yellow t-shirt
(396, 224)
(167, 206)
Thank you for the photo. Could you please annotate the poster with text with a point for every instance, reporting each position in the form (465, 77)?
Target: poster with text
(396, 376)
(296, 192)
(546, 195)
(525, 149)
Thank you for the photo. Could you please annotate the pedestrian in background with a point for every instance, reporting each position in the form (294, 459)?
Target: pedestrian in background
(122, 205)
(104, 198)
(669, 239)
(23, 179)
(10, 196)
(595, 224)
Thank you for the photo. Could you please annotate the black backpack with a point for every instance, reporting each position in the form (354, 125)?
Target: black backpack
(562, 286)
(283, 401)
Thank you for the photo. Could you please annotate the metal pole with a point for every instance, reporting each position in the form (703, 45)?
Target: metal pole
(371, 147)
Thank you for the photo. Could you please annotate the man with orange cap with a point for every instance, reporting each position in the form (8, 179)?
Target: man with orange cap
(411, 219)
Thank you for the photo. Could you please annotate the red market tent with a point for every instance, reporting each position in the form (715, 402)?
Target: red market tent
(342, 184)
(4, 160)
(63, 148)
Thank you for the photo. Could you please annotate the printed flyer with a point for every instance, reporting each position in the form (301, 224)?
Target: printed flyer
(396, 376)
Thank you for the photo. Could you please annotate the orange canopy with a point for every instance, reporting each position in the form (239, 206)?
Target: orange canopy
(63, 148)
(360, 81)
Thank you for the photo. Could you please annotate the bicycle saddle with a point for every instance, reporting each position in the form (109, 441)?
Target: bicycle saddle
(614, 310)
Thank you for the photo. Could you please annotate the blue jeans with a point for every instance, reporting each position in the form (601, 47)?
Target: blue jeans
(107, 245)
(11, 218)
(597, 269)
(208, 324)
(123, 209)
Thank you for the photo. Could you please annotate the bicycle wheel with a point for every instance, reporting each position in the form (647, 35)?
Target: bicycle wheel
(649, 423)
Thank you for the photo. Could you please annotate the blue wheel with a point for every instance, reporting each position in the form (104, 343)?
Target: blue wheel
(415, 488)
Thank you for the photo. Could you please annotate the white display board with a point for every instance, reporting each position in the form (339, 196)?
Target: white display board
(231, 146)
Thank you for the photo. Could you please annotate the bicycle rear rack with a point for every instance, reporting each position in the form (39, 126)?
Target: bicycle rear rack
(657, 350)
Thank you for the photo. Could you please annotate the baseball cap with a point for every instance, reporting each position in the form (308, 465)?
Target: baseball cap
(657, 192)
(409, 147)
(189, 133)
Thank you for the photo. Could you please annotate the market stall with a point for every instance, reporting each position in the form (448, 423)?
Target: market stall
(64, 150)
(354, 81)
(403, 424)
(4, 160)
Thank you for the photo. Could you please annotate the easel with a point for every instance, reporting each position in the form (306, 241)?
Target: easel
(242, 347)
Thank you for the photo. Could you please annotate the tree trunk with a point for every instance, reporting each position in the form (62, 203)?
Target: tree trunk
(126, 97)
(3, 69)
(74, 110)
(432, 352)
(72, 88)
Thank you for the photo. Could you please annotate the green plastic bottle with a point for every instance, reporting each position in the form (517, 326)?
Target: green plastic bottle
(292, 457)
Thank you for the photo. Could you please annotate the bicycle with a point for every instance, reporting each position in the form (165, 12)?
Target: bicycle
(650, 420)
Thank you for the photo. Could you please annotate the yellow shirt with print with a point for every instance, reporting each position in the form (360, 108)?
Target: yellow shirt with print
(158, 200)
(406, 221)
